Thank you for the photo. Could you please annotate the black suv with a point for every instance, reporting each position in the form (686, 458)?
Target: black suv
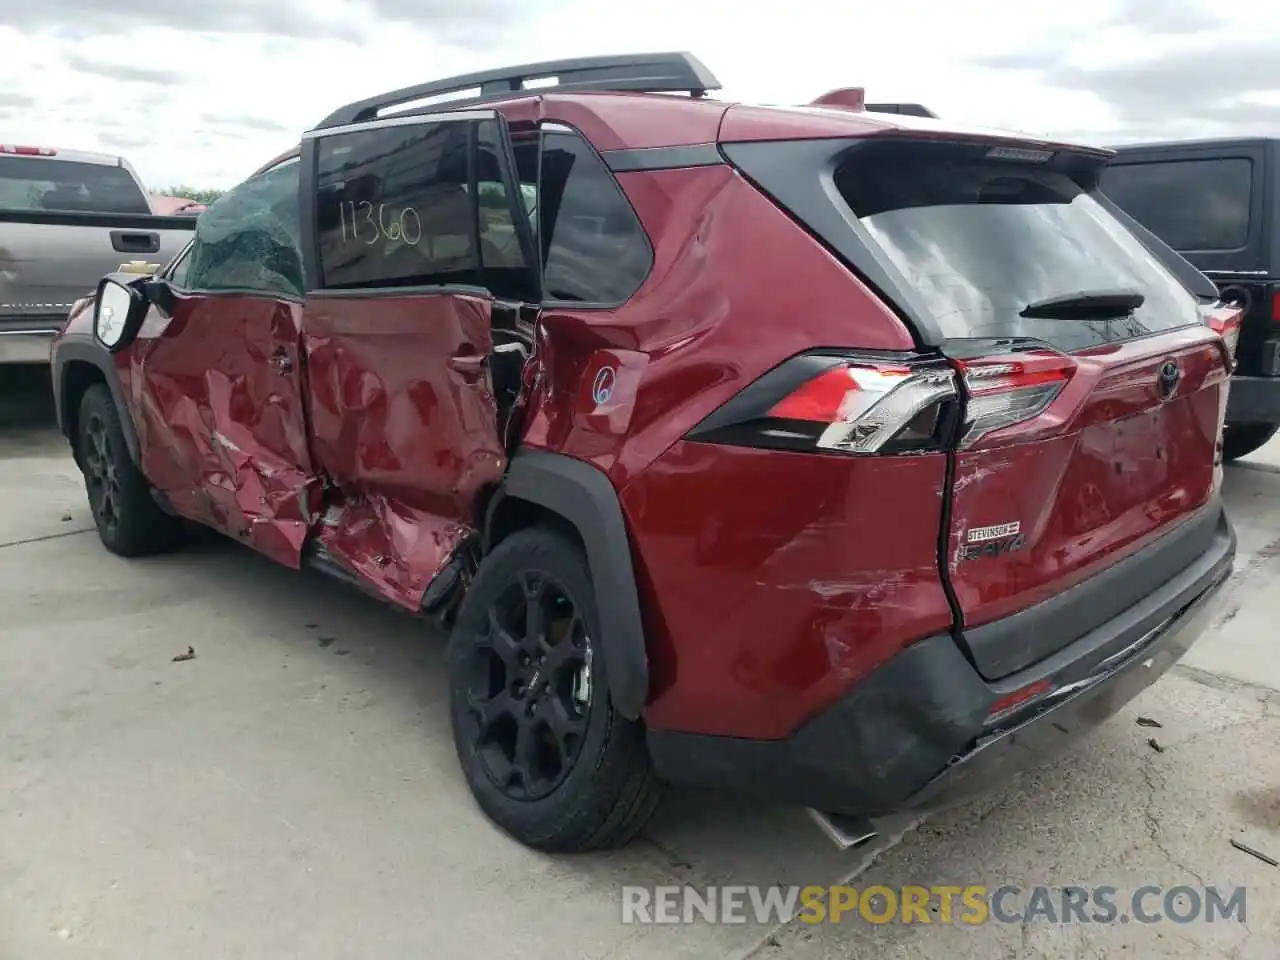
(1217, 203)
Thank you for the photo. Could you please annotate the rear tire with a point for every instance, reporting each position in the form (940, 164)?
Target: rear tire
(545, 754)
(1241, 439)
(130, 523)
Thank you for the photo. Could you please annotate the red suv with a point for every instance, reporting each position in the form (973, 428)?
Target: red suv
(831, 453)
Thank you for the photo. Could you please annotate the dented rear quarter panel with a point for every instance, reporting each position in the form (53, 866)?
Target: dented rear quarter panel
(774, 582)
(769, 582)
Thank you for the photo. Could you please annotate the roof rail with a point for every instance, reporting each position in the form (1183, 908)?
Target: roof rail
(640, 73)
(906, 109)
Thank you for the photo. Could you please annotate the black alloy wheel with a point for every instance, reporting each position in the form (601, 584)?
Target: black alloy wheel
(101, 475)
(528, 687)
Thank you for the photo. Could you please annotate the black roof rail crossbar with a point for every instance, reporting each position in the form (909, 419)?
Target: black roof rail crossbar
(903, 109)
(645, 73)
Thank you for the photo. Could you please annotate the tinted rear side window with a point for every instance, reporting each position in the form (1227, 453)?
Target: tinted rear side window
(1192, 205)
(595, 250)
(979, 239)
(33, 183)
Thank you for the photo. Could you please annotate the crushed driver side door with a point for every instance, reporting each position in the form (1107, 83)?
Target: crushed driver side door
(397, 337)
(214, 376)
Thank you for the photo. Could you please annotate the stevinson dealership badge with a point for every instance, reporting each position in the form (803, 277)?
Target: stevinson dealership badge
(993, 541)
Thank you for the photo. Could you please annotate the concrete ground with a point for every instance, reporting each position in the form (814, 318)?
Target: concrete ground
(292, 791)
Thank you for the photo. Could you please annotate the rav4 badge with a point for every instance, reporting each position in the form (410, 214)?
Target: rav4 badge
(993, 541)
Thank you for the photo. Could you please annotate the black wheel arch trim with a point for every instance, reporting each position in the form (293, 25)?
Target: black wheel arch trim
(584, 497)
(85, 350)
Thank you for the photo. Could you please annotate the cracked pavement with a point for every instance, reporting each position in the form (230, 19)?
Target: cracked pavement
(292, 791)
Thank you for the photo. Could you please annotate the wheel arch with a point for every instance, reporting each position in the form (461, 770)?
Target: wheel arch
(563, 492)
(78, 365)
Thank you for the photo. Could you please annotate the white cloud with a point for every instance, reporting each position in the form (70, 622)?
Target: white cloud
(197, 106)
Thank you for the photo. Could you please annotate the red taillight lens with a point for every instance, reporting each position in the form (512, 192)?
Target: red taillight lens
(18, 151)
(864, 406)
(1006, 390)
(1275, 306)
(839, 404)
(1225, 320)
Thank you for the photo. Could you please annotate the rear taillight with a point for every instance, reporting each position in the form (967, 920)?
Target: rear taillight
(1275, 306)
(20, 151)
(1225, 320)
(1006, 390)
(840, 404)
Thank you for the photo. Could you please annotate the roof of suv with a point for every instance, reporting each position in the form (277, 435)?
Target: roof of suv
(626, 102)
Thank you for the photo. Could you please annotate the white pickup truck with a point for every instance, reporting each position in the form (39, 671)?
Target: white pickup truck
(66, 219)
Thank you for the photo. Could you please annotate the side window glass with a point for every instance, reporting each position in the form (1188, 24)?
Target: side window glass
(595, 250)
(393, 207)
(248, 239)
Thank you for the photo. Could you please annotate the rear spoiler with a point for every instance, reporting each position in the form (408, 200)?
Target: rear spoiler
(855, 98)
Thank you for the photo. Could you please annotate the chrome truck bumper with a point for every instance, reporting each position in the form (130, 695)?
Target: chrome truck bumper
(28, 343)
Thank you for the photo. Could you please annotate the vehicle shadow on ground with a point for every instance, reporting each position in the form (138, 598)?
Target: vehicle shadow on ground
(28, 425)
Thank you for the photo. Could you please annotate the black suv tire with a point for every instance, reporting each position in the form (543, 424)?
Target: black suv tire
(1241, 439)
(130, 523)
(526, 629)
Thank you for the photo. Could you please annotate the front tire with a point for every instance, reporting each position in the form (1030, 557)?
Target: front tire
(130, 523)
(1241, 439)
(545, 754)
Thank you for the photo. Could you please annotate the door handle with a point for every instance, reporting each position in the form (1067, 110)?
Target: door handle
(125, 241)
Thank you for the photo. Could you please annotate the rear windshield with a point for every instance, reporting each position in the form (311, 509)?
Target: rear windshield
(34, 183)
(1192, 205)
(980, 239)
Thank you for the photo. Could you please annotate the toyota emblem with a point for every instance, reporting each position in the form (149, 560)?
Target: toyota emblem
(1167, 379)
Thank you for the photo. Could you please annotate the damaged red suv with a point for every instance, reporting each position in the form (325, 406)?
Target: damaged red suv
(830, 453)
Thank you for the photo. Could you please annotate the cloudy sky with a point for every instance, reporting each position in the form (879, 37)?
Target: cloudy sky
(203, 97)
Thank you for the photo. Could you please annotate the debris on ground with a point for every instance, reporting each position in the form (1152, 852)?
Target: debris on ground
(1254, 853)
(189, 655)
(66, 516)
(1148, 722)
(1154, 744)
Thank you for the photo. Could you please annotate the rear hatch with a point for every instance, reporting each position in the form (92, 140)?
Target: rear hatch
(1084, 467)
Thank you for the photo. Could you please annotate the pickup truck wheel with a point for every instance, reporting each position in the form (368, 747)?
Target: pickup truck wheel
(1241, 439)
(129, 521)
(545, 754)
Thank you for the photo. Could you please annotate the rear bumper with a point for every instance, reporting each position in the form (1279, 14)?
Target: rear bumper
(917, 734)
(28, 341)
(1253, 400)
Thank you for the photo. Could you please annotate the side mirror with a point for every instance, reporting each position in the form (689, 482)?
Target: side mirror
(159, 294)
(118, 312)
